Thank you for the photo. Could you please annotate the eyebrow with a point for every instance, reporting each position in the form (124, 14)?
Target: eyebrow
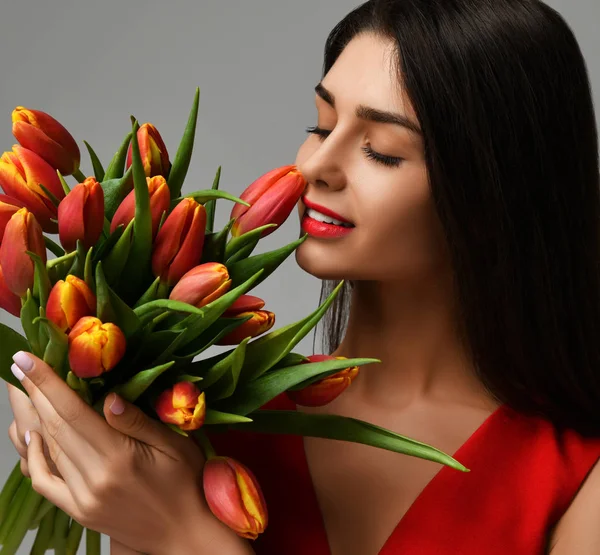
(372, 114)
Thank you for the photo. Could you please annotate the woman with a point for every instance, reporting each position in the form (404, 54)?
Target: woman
(457, 138)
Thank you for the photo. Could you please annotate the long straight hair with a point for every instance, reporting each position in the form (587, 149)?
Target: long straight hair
(501, 91)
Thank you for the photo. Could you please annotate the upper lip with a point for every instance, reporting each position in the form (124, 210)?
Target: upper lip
(324, 210)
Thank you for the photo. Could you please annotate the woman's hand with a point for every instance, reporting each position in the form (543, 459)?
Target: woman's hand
(129, 477)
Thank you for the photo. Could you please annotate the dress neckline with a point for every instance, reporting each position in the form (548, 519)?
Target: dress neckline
(462, 455)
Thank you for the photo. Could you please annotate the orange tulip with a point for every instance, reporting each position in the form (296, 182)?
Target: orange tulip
(21, 172)
(8, 206)
(44, 135)
(94, 347)
(69, 301)
(179, 243)
(8, 300)
(183, 405)
(202, 284)
(23, 233)
(234, 496)
(160, 202)
(261, 321)
(326, 390)
(153, 151)
(81, 215)
(272, 197)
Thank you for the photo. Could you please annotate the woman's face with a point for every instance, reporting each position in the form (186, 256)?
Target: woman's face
(396, 233)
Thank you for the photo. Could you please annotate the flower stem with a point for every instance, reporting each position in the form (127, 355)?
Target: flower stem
(92, 542)
(42, 511)
(205, 444)
(21, 523)
(10, 488)
(44, 533)
(74, 537)
(13, 511)
(79, 176)
(61, 529)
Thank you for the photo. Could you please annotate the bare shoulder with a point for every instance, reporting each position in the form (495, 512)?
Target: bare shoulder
(578, 530)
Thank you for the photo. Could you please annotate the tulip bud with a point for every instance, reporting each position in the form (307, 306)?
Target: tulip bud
(44, 135)
(21, 172)
(160, 202)
(8, 206)
(69, 301)
(179, 243)
(153, 151)
(326, 390)
(94, 347)
(183, 405)
(272, 197)
(234, 496)
(8, 300)
(23, 233)
(202, 284)
(261, 321)
(81, 215)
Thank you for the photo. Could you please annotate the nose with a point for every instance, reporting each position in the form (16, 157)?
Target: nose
(322, 167)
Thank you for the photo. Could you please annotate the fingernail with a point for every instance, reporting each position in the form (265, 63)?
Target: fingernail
(23, 360)
(27, 437)
(18, 373)
(117, 406)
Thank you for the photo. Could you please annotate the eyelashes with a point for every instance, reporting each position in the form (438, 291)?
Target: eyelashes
(389, 161)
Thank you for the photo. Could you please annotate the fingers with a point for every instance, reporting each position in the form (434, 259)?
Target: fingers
(26, 417)
(16, 440)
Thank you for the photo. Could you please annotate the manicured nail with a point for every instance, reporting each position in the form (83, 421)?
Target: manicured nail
(27, 437)
(23, 360)
(117, 406)
(18, 373)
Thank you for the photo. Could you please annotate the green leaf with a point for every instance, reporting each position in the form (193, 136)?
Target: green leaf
(53, 198)
(253, 394)
(30, 310)
(115, 190)
(104, 245)
(115, 261)
(151, 294)
(96, 164)
(10, 343)
(55, 249)
(136, 386)
(146, 309)
(181, 163)
(58, 268)
(117, 164)
(332, 426)
(64, 184)
(248, 239)
(212, 204)
(214, 245)
(228, 381)
(41, 281)
(269, 261)
(291, 359)
(57, 348)
(209, 194)
(187, 378)
(269, 349)
(88, 271)
(78, 267)
(217, 417)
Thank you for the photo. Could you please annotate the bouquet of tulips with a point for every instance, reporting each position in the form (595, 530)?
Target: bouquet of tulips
(138, 286)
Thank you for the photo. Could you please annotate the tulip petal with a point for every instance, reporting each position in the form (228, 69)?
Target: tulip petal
(190, 252)
(244, 303)
(114, 347)
(8, 300)
(85, 357)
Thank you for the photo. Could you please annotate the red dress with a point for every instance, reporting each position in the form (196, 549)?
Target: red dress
(523, 476)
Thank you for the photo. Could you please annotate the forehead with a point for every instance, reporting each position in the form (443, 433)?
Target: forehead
(366, 72)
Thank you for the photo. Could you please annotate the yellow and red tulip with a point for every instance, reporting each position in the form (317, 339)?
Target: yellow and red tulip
(261, 321)
(153, 151)
(183, 405)
(69, 301)
(179, 243)
(22, 233)
(81, 215)
(21, 172)
(272, 197)
(234, 496)
(160, 201)
(326, 390)
(202, 284)
(8, 206)
(40, 132)
(8, 300)
(94, 347)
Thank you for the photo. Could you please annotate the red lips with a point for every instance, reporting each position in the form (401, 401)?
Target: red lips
(324, 210)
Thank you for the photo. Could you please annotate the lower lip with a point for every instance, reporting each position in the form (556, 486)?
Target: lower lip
(320, 229)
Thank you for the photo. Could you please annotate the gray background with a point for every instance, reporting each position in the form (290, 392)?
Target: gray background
(92, 64)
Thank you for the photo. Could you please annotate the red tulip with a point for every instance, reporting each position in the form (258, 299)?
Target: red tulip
(326, 390)
(179, 243)
(160, 202)
(234, 496)
(8, 300)
(69, 301)
(81, 215)
(261, 321)
(94, 347)
(21, 172)
(202, 284)
(153, 151)
(272, 197)
(183, 405)
(23, 233)
(8, 206)
(44, 135)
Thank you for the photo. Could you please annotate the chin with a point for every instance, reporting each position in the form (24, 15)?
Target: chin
(313, 260)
